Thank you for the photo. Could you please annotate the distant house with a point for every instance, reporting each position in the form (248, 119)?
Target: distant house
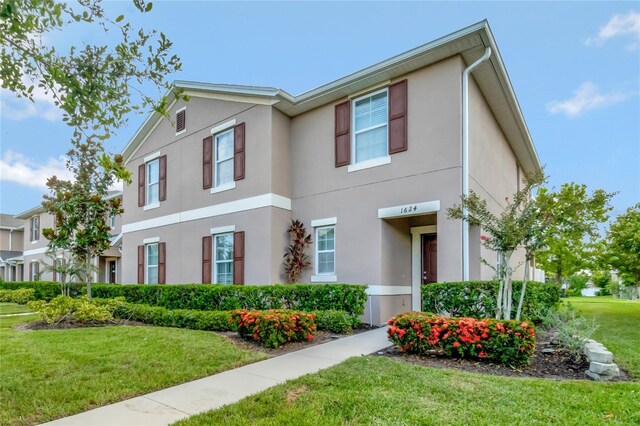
(11, 247)
(369, 163)
(35, 247)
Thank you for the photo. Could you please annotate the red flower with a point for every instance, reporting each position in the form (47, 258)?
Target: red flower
(524, 325)
(456, 344)
(484, 238)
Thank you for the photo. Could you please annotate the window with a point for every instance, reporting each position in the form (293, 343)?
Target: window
(325, 250)
(153, 182)
(370, 119)
(112, 221)
(223, 254)
(35, 270)
(35, 228)
(224, 158)
(151, 263)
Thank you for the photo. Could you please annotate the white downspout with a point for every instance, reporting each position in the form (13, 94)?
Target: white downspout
(465, 158)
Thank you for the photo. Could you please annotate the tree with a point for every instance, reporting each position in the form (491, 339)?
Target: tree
(516, 226)
(295, 258)
(623, 245)
(572, 217)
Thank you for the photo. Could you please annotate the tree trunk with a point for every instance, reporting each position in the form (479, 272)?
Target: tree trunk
(524, 288)
(501, 286)
(508, 288)
(88, 273)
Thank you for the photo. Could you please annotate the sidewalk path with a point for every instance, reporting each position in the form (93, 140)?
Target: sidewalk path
(16, 315)
(168, 405)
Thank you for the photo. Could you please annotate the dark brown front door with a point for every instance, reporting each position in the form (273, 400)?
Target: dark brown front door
(112, 271)
(429, 258)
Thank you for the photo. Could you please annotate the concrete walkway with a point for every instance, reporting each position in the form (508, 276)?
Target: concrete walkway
(16, 315)
(168, 405)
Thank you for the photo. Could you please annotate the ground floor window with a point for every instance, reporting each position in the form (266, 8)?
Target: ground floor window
(151, 263)
(223, 253)
(326, 250)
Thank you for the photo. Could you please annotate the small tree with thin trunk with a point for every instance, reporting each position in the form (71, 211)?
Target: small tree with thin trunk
(295, 258)
(623, 246)
(514, 227)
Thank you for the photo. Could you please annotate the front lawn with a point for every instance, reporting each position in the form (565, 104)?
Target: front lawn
(12, 308)
(383, 391)
(619, 330)
(48, 374)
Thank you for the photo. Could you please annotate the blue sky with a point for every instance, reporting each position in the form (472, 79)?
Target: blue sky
(575, 67)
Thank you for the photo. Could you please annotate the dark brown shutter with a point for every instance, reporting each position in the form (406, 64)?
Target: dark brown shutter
(398, 117)
(238, 152)
(162, 178)
(343, 134)
(207, 247)
(238, 257)
(140, 264)
(141, 184)
(162, 261)
(207, 162)
(30, 271)
(37, 228)
(32, 225)
(180, 120)
(37, 271)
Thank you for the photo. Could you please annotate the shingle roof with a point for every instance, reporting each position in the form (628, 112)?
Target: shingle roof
(8, 221)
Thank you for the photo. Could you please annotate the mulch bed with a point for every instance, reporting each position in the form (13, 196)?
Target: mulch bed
(65, 325)
(549, 361)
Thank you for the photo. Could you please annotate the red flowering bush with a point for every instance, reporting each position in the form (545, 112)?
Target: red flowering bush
(274, 327)
(506, 342)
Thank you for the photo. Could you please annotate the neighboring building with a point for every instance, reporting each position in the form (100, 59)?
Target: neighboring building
(11, 247)
(35, 247)
(370, 163)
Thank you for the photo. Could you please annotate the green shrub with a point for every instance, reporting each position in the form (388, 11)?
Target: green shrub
(477, 299)
(274, 327)
(507, 342)
(45, 290)
(67, 308)
(20, 296)
(573, 329)
(339, 322)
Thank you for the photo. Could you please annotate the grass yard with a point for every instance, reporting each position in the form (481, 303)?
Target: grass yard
(619, 329)
(12, 308)
(382, 391)
(48, 374)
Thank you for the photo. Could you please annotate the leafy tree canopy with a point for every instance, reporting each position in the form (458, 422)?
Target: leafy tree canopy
(623, 245)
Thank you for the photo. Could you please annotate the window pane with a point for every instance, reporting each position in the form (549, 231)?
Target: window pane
(379, 109)
(153, 195)
(371, 111)
(371, 144)
(224, 146)
(325, 262)
(152, 254)
(224, 247)
(224, 172)
(153, 171)
(325, 239)
(152, 275)
(224, 273)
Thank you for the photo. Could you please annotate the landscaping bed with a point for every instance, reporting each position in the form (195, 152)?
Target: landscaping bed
(549, 361)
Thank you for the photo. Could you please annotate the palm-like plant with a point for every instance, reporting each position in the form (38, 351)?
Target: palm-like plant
(295, 258)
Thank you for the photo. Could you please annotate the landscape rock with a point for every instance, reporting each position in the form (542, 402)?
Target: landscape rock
(604, 369)
(596, 354)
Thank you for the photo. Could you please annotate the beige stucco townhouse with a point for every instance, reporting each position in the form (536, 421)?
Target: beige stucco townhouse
(369, 163)
(36, 258)
(11, 246)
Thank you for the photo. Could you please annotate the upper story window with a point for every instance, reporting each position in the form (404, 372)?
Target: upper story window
(151, 272)
(153, 182)
(224, 158)
(223, 264)
(370, 124)
(34, 228)
(326, 250)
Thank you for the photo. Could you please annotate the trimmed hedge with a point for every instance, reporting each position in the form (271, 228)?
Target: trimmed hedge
(208, 297)
(275, 327)
(507, 342)
(20, 296)
(338, 322)
(477, 299)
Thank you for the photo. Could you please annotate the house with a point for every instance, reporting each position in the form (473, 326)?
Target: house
(36, 259)
(369, 163)
(11, 246)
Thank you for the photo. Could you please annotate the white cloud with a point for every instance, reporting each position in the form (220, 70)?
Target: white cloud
(587, 97)
(619, 25)
(15, 167)
(14, 108)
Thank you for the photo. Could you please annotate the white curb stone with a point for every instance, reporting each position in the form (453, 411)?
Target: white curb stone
(604, 369)
(601, 366)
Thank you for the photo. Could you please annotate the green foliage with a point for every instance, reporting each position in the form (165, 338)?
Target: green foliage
(295, 258)
(44, 290)
(573, 329)
(577, 282)
(274, 327)
(70, 309)
(507, 342)
(20, 296)
(477, 299)
(571, 219)
(623, 246)
(339, 322)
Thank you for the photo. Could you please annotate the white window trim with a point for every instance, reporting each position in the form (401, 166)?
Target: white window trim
(222, 127)
(222, 230)
(34, 274)
(215, 253)
(324, 222)
(151, 206)
(151, 240)
(226, 187)
(330, 274)
(146, 259)
(152, 157)
(324, 278)
(353, 133)
(185, 124)
(112, 221)
(148, 183)
(32, 229)
(374, 162)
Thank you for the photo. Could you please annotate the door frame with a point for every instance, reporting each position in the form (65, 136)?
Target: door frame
(107, 271)
(416, 262)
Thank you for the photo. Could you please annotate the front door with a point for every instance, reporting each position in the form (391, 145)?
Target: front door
(112, 272)
(429, 258)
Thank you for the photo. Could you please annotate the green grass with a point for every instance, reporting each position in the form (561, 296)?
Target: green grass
(54, 373)
(12, 308)
(384, 391)
(619, 330)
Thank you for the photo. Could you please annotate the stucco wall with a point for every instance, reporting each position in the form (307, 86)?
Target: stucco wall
(11, 239)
